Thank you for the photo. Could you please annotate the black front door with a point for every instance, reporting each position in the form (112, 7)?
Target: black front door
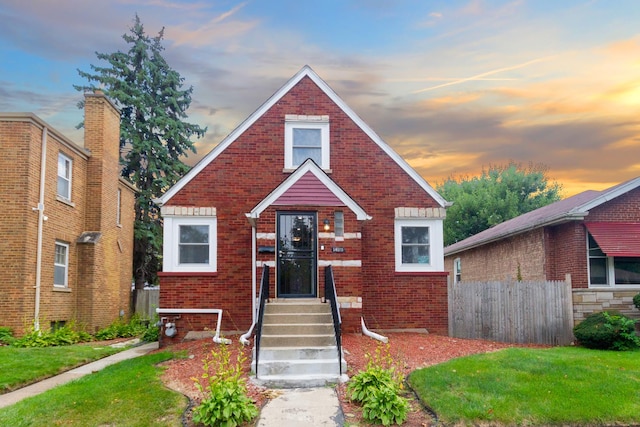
(297, 257)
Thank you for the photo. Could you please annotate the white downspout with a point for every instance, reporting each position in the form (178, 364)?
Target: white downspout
(244, 339)
(218, 311)
(372, 334)
(41, 218)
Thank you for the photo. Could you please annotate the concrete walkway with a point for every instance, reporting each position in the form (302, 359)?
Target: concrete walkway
(42, 386)
(311, 407)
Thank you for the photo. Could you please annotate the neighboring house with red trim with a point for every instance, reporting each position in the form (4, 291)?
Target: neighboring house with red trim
(593, 236)
(301, 184)
(66, 235)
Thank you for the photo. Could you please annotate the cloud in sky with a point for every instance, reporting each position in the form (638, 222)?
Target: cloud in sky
(452, 86)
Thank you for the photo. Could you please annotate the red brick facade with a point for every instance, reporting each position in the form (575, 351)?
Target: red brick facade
(99, 271)
(251, 167)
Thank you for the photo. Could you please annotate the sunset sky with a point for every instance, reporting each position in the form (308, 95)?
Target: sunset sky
(452, 86)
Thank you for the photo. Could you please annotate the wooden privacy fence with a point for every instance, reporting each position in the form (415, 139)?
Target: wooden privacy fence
(147, 300)
(511, 311)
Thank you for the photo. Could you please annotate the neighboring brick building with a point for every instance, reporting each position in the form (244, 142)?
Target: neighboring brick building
(257, 199)
(593, 236)
(66, 238)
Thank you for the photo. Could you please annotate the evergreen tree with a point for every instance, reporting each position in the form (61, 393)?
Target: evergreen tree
(154, 136)
(500, 193)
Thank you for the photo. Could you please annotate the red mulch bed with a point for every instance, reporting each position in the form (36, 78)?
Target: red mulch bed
(409, 351)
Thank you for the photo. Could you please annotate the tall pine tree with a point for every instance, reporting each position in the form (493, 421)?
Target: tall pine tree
(154, 136)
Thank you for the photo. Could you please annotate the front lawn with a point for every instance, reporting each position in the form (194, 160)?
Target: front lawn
(557, 386)
(23, 366)
(129, 393)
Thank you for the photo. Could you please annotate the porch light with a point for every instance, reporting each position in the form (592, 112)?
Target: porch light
(326, 224)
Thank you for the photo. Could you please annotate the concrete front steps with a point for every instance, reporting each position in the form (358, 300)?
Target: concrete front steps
(298, 345)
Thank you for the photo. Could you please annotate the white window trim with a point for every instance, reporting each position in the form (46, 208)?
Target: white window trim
(611, 274)
(70, 160)
(119, 208)
(436, 245)
(457, 269)
(66, 265)
(171, 252)
(291, 124)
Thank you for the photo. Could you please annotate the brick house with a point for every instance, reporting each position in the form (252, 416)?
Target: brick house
(593, 236)
(301, 184)
(67, 232)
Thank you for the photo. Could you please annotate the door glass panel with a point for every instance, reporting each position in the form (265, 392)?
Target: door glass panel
(296, 255)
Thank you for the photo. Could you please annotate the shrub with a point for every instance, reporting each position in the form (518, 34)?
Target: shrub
(377, 389)
(225, 401)
(6, 335)
(120, 329)
(607, 331)
(636, 301)
(63, 335)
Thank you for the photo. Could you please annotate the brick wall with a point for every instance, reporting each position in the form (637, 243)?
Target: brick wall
(252, 166)
(20, 158)
(523, 253)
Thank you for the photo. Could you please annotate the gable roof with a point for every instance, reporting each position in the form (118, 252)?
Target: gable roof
(573, 208)
(322, 182)
(306, 71)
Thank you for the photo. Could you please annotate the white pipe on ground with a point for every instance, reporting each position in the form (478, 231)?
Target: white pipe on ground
(218, 311)
(372, 334)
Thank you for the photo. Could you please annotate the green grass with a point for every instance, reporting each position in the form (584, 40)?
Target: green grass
(558, 386)
(23, 366)
(129, 393)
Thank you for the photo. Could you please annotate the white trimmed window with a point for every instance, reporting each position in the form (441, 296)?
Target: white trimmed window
(119, 207)
(65, 165)
(609, 271)
(418, 245)
(190, 244)
(457, 271)
(306, 137)
(61, 265)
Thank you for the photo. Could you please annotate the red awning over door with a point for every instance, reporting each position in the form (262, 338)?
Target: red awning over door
(620, 239)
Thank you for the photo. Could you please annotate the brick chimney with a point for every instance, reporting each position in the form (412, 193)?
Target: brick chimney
(102, 138)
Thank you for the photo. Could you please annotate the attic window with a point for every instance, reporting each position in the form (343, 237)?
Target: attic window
(306, 137)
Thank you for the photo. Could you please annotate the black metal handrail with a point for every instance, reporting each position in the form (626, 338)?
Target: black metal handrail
(331, 296)
(264, 296)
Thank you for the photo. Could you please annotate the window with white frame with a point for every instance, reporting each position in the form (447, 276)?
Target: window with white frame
(118, 207)
(306, 139)
(457, 270)
(418, 245)
(61, 265)
(611, 271)
(65, 165)
(190, 244)
(338, 225)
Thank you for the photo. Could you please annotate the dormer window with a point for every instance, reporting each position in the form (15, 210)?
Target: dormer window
(306, 137)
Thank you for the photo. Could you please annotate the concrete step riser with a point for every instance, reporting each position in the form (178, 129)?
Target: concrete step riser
(292, 329)
(284, 353)
(298, 367)
(298, 340)
(296, 318)
(297, 308)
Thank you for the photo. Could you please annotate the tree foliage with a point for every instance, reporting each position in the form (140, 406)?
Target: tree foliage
(154, 136)
(500, 193)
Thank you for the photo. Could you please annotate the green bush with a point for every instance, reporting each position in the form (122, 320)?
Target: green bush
(63, 335)
(636, 301)
(135, 327)
(225, 401)
(378, 388)
(6, 335)
(607, 331)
